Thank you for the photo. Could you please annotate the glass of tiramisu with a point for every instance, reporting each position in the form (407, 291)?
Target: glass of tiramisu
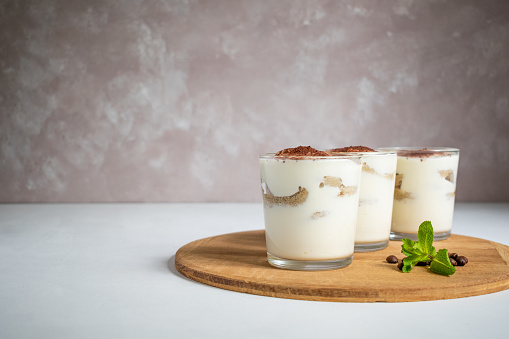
(425, 189)
(376, 197)
(310, 201)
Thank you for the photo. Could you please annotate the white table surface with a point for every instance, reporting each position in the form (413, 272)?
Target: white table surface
(107, 271)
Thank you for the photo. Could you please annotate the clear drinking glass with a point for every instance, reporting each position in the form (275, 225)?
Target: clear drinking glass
(310, 207)
(425, 189)
(375, 200)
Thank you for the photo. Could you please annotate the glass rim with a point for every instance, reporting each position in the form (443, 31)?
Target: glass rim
(422, 149)
(375, 153)
(309, 157)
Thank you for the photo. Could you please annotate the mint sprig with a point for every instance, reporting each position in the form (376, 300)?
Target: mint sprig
(423, 250)
(441, 264)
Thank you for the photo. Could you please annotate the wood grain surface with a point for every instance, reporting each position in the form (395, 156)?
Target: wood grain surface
(238, 262)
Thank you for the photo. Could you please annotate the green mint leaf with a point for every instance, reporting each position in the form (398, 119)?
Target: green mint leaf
(441, 264)
(425, 236)
(409, 247)
(410, 261)
(406, 268)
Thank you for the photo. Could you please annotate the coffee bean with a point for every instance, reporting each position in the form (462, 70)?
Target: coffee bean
(453, 262)
(392, 259)
(453, 255)
(421, 263)
(461, 260)
(400, 266)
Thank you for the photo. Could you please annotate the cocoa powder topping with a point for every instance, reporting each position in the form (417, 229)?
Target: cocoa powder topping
(302, 151)
(422, 153)
(353, 149)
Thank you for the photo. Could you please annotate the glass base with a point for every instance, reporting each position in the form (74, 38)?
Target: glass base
(308, 265)
(413, 236)
(371, 246)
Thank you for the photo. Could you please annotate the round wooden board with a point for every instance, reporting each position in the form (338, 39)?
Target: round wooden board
(238, 262)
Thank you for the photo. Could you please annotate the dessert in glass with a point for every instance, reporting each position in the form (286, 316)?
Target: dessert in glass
(310, 203)
(425, 189)
(376, 197)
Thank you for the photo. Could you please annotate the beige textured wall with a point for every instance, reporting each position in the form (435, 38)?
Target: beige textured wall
(174, 100)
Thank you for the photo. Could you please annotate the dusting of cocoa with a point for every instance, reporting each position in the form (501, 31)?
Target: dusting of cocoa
(352, 149)
(302, 151)
(421, 153)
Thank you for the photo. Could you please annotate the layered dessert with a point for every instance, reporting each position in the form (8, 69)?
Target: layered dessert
(310, 201)
(425, 189)
(376, 197)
